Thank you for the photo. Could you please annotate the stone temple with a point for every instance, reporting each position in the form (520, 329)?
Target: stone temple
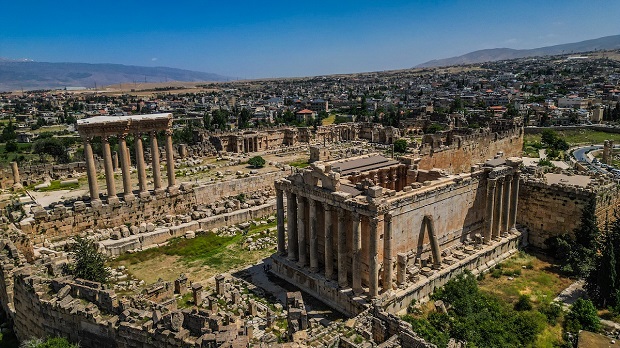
(372, 228)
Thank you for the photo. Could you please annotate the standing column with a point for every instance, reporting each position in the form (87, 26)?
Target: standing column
(329, 252)
(515, 200)
(488, 231)
(387, 252)
(342, 250)
(280, 218)
(155, 163)
(301, 231)
(170, 161)
(291, 225)
(314, 257)
(91, 171)
(122, 143)
(109, 171)
(373, 259)
(141, 166)
(16, 180)
(506, 205)
(497, 222)
(356, 262)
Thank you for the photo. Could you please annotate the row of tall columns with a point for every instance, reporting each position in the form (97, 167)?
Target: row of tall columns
(303, 247)
(125, 165)
(501, 206)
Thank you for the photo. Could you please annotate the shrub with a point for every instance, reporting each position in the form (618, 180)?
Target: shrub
(523, 304)
(400, 145)
(257, 162)
(582, 316)
(89, 263)
(552, 311)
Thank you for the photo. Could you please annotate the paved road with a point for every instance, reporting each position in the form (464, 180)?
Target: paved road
(580, 153)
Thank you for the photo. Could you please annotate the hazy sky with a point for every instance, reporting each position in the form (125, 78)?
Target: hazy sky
(252, 39)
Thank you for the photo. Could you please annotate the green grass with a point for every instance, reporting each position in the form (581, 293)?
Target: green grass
(208, 249)
(538, 280)
(299, 164)
(55, 186)
(329, 120)
(574, 137)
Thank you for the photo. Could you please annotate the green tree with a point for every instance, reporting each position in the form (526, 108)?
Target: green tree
(53, 147)
(11, 146)
(582, 316)
(243, 120)
(523, 304)
(400, 146)
(89, 262)
(257, 162)
(8, 132)
(549, 137)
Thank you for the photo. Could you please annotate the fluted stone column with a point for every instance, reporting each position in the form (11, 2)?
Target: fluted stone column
(490, 202)
(109, 171)
(329, 252)
(388, 260)
(314, 255)
(498, 211)
(356, 260)
(506, 205)
(342, 250)
(170, 161)
(280, 218)
(140, 165)
(515, 200)
(127, 193)
(373, 259)
(291, 225)
(91, 171)
(301, 231)
(155, 163)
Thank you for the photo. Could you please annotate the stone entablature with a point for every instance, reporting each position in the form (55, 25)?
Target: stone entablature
(121, 127)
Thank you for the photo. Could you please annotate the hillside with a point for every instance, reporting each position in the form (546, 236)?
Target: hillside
(15, 75)
(489, 55)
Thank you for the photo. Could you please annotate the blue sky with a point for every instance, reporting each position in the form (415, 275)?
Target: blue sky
(253, 39)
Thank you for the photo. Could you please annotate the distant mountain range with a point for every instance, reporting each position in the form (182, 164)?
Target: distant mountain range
(29, 75)
(489, 55)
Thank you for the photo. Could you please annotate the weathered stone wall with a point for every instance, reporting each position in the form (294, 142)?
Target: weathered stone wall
(457, 154)
(551, 210)
(62, 222)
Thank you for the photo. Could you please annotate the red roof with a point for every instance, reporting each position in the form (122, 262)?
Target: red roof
(305, 111)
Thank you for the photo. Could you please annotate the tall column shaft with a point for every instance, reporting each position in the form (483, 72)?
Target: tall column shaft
(155, 162)
(356, 260)
(490, 205)
(140, 165)
(329, 252)
(109, 170)
(16, 180)
(373, 250)
(388, 260)
(170, 160)
(314, 255)
(280, 219)
(91, 171)
(515, 200)
(301, 231)
(506, 204)
(291, 225)
(342, 250)
(435, 249)
(122, 143)
(497, 221)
